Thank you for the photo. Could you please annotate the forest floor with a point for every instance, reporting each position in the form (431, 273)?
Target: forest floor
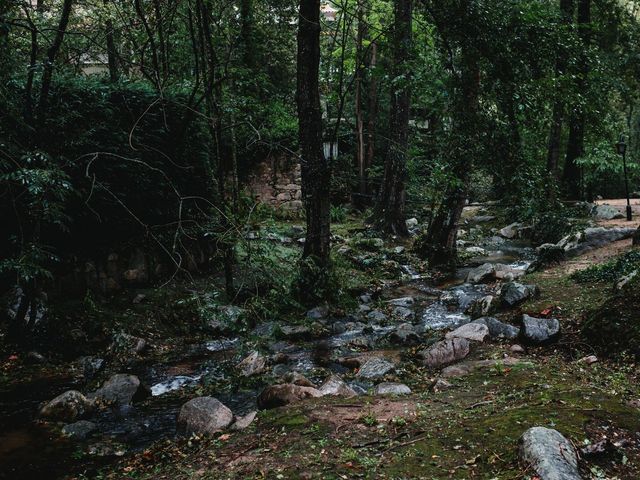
(467, 427)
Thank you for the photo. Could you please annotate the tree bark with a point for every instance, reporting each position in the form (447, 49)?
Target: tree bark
(372, 109)
(575, 145)
(316, 173)
(360, 145)
(555, 134)
(389, 213)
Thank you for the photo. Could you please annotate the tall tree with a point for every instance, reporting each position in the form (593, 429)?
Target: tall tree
(360, 143)
(557, 116)
(575, 144)
(389, 211)
(316, 173)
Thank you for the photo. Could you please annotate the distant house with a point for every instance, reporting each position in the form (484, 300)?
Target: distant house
(93, 64)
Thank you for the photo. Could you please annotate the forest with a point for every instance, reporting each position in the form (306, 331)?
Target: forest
(320, 239)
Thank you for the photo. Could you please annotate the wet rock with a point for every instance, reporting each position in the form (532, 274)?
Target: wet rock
(514, 293)
(125, 345)
(594, 237)
(365, 298)
(404, 313)
(405, 334)
(283, 394)
(91, 366)
(334, 385)
(252, 364)
(606, 212)
(445, 351)
(298, 379)
(483, 273)
(296, 332)
(243, 422)
(465, 368)
(549, 454)
(390, 388)
(476, 332)
(319, 312)
(498, 329)
(483, 306)
(376, 316)
(401, 302)
(122, 389)
(203, 415)
(67, 406)
(375, 367)
(79, 430)
(510, 231)
(539, 331)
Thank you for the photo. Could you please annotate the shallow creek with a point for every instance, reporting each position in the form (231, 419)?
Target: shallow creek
(29, 449)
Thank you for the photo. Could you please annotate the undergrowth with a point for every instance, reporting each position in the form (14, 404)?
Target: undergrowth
(611, 270)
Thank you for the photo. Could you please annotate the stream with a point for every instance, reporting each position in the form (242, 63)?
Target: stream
(32, 449)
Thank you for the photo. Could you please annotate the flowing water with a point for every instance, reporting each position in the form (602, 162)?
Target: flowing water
(29, 449)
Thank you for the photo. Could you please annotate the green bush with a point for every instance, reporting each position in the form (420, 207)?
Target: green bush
(611, 270)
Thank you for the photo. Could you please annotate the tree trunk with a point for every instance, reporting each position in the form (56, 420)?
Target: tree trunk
(555, 134)
(575, 145)
(372, 109)
(389, 213)
(316, 173)
(52, 52)
(360, 146)
(112, 59)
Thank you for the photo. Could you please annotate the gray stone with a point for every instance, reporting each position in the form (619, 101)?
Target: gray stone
(401, 302)
(440, 384)
(79, 430)
(91, 366)
(404, 313)
(405, 334)
(481, 307)
(204, 415)
(319, 312)
(445, 351)
(376, 316)
(375, 367)
(412, 222)
(594, 237)
(296, 332)
(510, 231)
(539, 331)
(298, 379)
(335, 386)
(67, 406)
(240, 423)
(121, 389)
(284, 394)
(475, 251)
(514, 293)
(498, 329)
(606, 212)
(515, 348)
(252, 364)
(476, 332)
(483, 273)
(549, 454)
(466, 368)
(390, 388)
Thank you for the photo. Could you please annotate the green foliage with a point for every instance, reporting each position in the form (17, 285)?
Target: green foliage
(611, 270)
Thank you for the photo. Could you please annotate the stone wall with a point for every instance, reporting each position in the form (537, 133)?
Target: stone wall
(277, 182)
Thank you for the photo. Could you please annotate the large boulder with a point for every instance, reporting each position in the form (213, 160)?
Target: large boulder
(445, 351)
(375, 367)
(539, 331)
(594, 237)
(405, 334)
(514, 293)
(498, 329)
(285, 393)
(122, 389)
(476, 332)
(549, 454)
(483, 273)
(483, 306)
(204, 415)
(335, 386)
(510, 231)
(67, 406)
(606, 212)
